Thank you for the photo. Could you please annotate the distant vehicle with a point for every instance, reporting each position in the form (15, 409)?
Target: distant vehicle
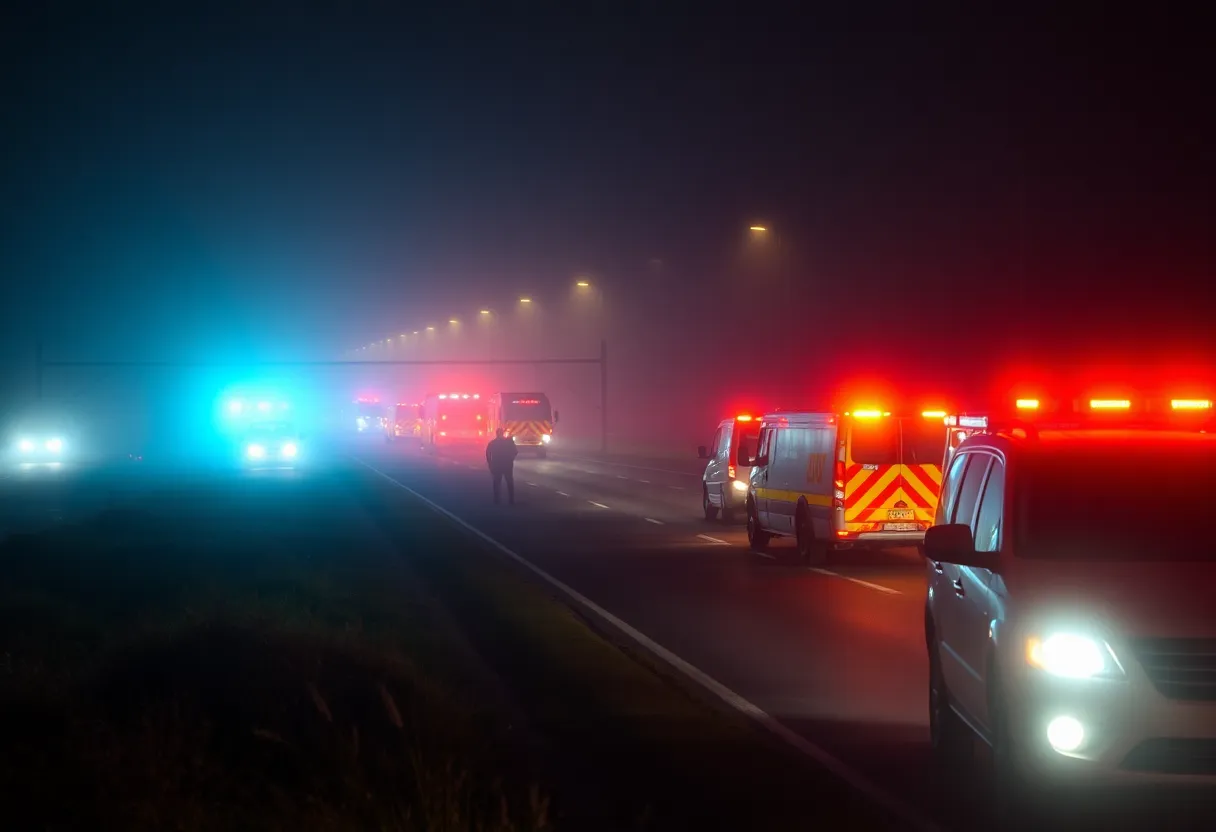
(1068, 613)
(832, 481)
(240, 410)
(404, 422)
(724, 483)
(42, 443)
(525, 417)
(369, 415)
(454, 418)
(271, 445)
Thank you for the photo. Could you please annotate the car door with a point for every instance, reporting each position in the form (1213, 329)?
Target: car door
(950, 595)
(977, 605)
(760, 476)
(715, 470)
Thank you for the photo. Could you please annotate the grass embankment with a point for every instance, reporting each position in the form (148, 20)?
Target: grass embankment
(223, 659)
(633, 744)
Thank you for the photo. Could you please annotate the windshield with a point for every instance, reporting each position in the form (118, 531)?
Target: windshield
(1117, 503)
(877, 442)
(526, 407)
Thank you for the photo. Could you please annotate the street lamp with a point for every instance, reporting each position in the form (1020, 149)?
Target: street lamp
(583, 284)
(759, 229)
(525, 300)
(453, 321)
(485, 312)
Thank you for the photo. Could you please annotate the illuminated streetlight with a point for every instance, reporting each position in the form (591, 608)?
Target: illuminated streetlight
(430, 329)
(582, 284)
(758, 228)
(453, 321)
(525, 300)
(485, 312)
(415, 332)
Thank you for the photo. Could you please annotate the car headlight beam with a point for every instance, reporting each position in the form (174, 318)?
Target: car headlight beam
(1072, 656)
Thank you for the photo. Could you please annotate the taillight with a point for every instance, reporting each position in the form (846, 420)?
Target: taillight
(838, 476)
(730, 471)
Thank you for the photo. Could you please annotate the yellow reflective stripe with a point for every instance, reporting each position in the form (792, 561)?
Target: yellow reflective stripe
(792, 496)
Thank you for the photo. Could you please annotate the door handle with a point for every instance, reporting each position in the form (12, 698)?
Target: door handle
(938, 568)
(958, 587)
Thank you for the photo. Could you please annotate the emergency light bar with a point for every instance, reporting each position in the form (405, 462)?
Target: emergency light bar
(868, 414)
(743, 418)
(1191, 404)
(1147, 413)
(459, 396)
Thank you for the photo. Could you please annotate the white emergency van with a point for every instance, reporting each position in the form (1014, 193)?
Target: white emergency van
(724, 483)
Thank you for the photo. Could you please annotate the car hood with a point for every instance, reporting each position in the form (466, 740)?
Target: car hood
(1146, 599)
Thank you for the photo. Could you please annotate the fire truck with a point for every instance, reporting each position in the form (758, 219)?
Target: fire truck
(525, 417)
(453, 419)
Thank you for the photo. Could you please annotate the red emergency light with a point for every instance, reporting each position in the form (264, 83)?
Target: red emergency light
(743, 418)
(1121, 411)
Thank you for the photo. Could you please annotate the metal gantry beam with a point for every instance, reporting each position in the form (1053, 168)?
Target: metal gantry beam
(41, 364)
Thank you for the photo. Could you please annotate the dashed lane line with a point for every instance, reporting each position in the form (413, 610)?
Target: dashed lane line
(877, 587)
(716, 540)
(652, 520)
(594, 503)
(563, 493)
(909, 816)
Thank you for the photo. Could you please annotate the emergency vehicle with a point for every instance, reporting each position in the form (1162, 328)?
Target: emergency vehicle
(1068, 611)
(369, 414)
(525, 417)
(404, 422)
(724, 483)
(453, 418)
(864, 477)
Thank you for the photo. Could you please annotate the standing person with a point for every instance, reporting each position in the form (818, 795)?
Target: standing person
(500, 457)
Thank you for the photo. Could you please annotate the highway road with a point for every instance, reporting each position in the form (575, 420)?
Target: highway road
(836, 654)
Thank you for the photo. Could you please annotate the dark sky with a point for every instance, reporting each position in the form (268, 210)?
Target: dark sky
(299, 176)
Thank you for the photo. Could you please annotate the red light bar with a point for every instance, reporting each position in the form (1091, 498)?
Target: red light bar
(743, 418)
(933, 414)
(1109, 404)
(1191, 404)
(868, 414)
(1027, 404)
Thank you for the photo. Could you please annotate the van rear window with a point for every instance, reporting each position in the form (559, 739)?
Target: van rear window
(878, 443)
(875, 443)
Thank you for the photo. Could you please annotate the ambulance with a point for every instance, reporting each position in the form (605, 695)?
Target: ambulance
(404, 422)
(865, 477)
(528, 418)
(453, 419)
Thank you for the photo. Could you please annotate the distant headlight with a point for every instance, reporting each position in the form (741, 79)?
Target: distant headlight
(289, 450)
(25, 445)
(1072, 656)
(546, 438)
(54, 445)
(255, 452)
(235, 406)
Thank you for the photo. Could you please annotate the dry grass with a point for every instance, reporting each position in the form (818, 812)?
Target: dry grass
(156, 674)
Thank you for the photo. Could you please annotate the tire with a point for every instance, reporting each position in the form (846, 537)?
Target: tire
(812, 551)
(950, 739)
(711, 511)
(757, 538)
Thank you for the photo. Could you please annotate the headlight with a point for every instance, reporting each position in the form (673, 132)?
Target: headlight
(546, 438)
(1072, 656)
(54, 445)
(739, 485)
(289, 449)
(255, 452)
(25, 445)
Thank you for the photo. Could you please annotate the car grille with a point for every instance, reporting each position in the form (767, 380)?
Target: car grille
(1180, 668)
(1173, 756)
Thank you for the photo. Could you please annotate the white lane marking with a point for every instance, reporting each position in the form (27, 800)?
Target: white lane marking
(621, 477)
(634, 467)
(878, 587)
(594, 503)
(563, 493)
(764, 555)
(716, 540)
(652, 520)
(534, 485)
(645, 481)
(676, 487)
(866, 787)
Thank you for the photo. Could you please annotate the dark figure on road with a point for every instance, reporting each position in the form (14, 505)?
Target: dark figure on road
(500, 456)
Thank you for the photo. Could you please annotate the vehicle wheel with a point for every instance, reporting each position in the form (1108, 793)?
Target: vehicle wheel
(812, 551)
(949, 737)
(756, 536)
(710, 510)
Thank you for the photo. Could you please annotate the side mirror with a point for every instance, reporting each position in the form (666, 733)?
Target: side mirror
(702, 452)
(953, 544)
(557, 415)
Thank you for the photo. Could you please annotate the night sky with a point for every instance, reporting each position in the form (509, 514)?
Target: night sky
(301, 179)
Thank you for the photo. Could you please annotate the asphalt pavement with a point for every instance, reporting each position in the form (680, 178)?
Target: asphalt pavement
(836, 654)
